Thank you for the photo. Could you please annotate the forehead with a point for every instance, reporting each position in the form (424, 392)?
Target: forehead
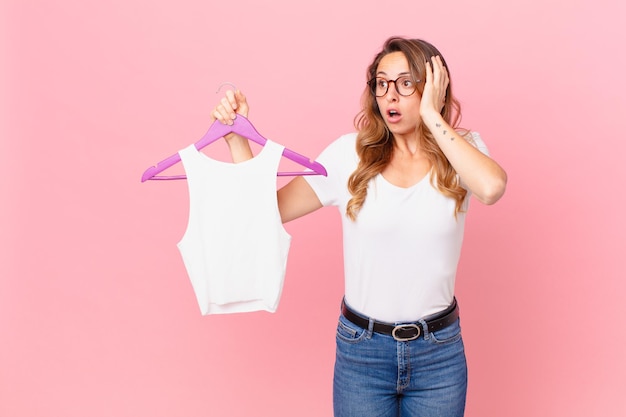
(392, 64)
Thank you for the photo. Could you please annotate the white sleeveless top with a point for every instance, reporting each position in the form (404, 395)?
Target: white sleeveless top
(235, 247)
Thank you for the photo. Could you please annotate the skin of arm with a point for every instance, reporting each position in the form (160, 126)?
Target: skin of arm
(482, 175)
(297, 199)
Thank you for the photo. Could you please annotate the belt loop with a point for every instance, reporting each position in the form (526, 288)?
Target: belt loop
(424, 328)
(370, 328)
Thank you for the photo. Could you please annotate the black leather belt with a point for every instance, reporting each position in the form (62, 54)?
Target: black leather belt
(405, 331)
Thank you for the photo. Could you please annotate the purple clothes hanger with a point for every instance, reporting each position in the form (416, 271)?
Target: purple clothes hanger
(242, 127)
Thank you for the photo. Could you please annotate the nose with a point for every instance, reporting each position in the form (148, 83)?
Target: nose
(392, 93)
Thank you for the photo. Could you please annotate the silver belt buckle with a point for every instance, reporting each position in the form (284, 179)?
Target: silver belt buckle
(406, 327)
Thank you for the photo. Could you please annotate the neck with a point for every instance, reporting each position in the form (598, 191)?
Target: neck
(407, 144)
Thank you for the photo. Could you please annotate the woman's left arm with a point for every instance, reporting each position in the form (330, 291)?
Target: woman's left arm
(481, 174)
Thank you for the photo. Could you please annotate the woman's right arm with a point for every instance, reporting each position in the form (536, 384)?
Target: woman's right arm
(295, 199)
(233, 103)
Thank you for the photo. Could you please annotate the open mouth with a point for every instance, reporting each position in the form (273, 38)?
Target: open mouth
(393, 114)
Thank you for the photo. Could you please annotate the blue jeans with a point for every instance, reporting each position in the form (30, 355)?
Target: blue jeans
(377, 376)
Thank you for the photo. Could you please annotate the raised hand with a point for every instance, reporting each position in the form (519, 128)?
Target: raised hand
(233, 103)
(434, 95)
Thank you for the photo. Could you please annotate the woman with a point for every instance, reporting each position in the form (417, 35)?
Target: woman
(402, 184)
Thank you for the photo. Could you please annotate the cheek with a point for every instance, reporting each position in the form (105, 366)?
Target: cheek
(415, 101)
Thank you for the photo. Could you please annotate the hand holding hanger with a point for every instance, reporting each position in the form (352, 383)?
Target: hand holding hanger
(233, 103)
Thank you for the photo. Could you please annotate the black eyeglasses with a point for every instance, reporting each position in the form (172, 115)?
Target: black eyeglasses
(405, 85)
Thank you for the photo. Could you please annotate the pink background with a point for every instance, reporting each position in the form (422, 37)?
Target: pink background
(97, 315)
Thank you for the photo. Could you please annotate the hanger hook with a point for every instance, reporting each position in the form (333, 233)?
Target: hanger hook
(225, 83)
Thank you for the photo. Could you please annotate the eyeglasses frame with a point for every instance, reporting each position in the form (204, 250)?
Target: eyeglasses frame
(395, 85)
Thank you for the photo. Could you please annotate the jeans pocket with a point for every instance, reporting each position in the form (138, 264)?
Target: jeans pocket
(348, 331)
(449, 334)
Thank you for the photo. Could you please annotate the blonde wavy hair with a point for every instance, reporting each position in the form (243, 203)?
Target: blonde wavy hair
(375, 141)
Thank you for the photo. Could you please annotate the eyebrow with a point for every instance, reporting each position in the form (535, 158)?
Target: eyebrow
(399, 75)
